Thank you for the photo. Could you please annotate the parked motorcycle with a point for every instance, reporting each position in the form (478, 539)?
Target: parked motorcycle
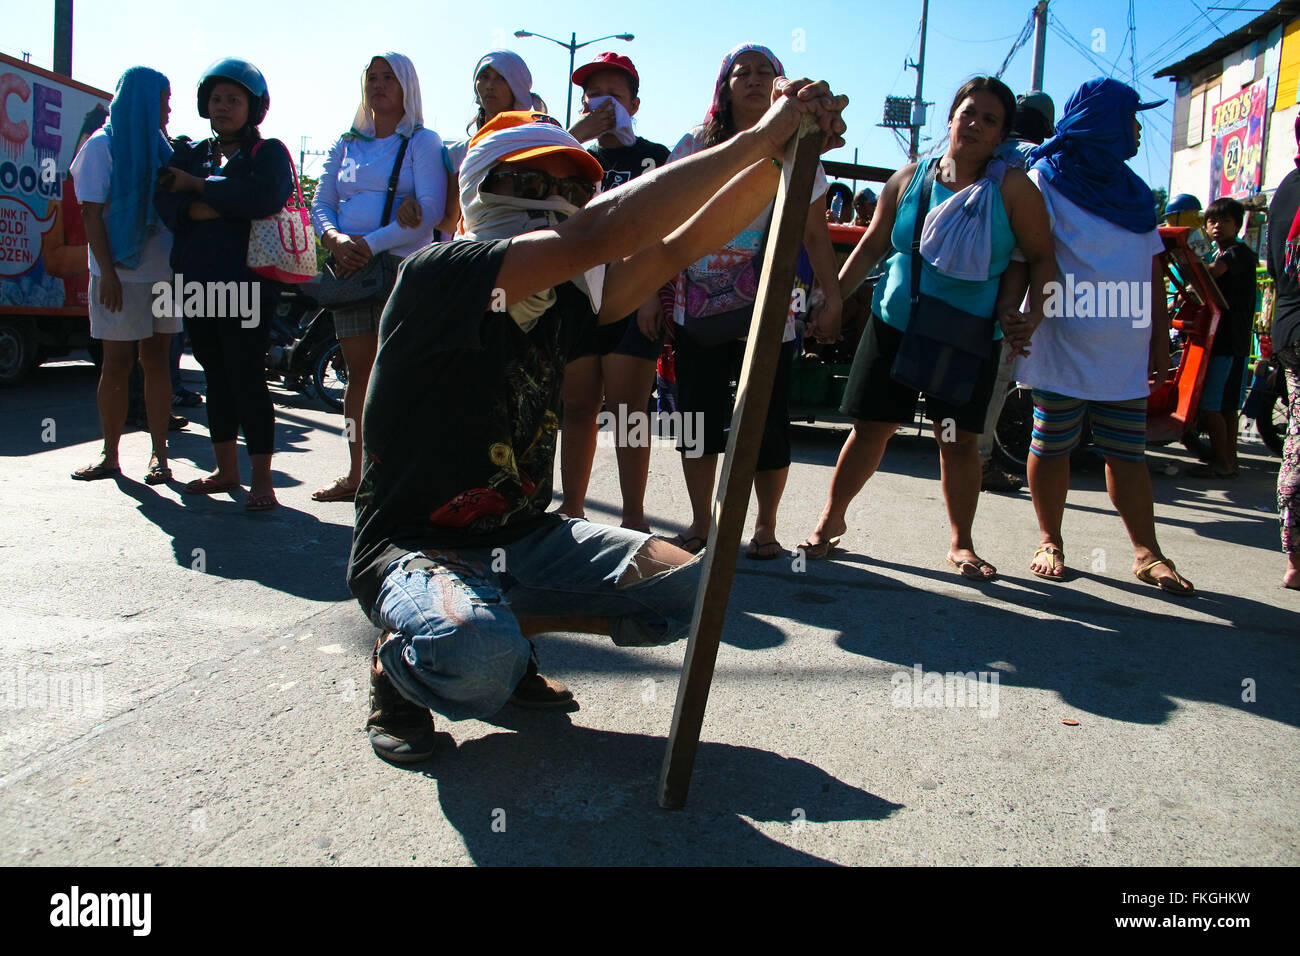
(304, 352)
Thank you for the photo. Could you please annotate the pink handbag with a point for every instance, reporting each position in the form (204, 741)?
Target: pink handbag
(283, 247)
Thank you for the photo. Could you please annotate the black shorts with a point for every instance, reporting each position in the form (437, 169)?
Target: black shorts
(623, 337)
(872, 395)
(704, 377)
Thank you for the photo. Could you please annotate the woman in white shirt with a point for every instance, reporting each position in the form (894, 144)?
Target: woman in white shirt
(1105, 339)
(349, 215)
(128, 249)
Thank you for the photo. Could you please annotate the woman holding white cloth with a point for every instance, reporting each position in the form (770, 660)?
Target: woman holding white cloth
(348, 212)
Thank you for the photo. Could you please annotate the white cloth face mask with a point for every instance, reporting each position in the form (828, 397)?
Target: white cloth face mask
(492, 216)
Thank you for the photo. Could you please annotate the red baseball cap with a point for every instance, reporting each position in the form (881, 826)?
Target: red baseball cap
(605, 61)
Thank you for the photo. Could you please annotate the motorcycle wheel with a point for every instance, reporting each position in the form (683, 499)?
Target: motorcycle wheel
(331, 376)
(1015, 430)
(1273, 421)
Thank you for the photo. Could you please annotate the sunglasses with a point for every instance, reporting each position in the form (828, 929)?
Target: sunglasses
(538, 184)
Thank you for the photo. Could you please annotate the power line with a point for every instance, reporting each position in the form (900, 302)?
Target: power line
(1161, 49)
(1025, 33)
(1207, 17)
(968, 39)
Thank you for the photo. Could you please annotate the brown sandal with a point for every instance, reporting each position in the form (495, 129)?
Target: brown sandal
(1177, 585)
(338, 490)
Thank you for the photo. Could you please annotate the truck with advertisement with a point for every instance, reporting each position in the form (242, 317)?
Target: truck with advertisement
(44, 119)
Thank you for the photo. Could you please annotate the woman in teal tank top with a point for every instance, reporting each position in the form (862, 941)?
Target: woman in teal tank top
(978, 121)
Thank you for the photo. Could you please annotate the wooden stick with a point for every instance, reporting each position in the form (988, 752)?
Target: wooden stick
(772, 304)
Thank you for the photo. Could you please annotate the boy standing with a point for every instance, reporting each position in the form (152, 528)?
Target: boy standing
(613, 366)
(1234, 269)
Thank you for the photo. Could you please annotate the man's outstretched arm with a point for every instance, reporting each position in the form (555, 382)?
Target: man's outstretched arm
(640, 213)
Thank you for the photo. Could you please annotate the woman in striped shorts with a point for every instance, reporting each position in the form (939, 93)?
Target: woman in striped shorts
(1098, 350)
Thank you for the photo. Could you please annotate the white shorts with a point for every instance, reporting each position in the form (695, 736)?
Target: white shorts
(136, 320)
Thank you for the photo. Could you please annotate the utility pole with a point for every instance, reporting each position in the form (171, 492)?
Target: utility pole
(63, 37)
(304, 152)
(918, 104)
(1040, 43)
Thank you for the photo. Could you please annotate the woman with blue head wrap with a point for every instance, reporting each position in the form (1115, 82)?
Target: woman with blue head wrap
(128, 252)
(1105, 342)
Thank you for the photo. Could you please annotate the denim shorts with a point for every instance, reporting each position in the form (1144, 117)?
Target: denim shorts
(1222, 391)
(457, 648)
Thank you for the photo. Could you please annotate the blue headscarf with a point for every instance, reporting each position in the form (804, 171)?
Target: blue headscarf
(139, 149)
(1086, 159)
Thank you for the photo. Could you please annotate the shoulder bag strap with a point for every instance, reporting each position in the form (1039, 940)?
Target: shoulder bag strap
(392, 182)
(922, 208)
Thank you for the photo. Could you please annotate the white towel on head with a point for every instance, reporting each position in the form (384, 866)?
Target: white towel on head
(622, 120)
(958, 235)
(363, 123)
(517, 75)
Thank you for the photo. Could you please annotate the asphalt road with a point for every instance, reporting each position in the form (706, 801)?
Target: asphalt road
(184, 683)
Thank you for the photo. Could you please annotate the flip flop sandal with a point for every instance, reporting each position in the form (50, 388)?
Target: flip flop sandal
(815, 552)
(1205, 471)
(767, 551)
(1055, 559)
(976, 569)
(209, 486)
(260, 502)
(692, 545)
(336, 491)
(1179, 586)
(96, 472)
(157, 474)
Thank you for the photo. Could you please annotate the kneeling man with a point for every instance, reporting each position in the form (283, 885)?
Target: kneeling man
(454, 556)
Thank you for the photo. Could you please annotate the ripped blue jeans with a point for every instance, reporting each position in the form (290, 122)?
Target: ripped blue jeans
(457, 647)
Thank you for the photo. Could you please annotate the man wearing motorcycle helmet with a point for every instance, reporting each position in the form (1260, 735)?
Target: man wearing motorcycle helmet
(208, 197)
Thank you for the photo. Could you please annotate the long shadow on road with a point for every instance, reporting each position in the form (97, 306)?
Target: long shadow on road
(1113, 658)
(547, 792)
(299, 554)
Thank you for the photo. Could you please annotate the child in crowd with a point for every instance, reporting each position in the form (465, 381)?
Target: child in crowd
(1234, 269)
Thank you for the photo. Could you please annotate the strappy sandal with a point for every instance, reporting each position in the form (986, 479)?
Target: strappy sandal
(338, 490)
(767, 551)
(158, 474)
(260, 502)
(1055, 559)
(209, 486)
(1178, 586)
(692, 545)
(815, 552)
(974, 570)
(96, 472)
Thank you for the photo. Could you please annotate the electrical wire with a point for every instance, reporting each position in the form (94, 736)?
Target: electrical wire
(1025, 33)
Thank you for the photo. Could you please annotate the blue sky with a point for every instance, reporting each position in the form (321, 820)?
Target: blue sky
(313, 54)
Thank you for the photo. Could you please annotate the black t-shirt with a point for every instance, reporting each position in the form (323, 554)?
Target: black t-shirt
(1238, 286)
(624, 163)
(1286, 308)
(461, 414)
